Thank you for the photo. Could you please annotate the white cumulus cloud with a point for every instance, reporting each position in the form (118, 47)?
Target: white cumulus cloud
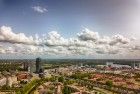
(7, 35)
(39, 9)
(86, 42)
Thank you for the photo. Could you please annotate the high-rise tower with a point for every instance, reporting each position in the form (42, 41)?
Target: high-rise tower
(38, 65)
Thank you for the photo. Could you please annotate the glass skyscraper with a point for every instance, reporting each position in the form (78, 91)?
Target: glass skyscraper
(38, 65)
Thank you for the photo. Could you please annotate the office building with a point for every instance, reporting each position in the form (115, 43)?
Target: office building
(38, 65)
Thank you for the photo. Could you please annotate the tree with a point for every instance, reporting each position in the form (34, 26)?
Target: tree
(49, 92)
(53, 79)
(5, 87)
(109, 83)
(61, 79)
(79, 75)
(66, 90)
(90, 76)
(68, 82)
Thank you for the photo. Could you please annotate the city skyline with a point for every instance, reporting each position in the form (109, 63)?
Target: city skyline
(70, 29)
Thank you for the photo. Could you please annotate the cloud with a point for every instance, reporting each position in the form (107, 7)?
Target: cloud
(88, 35)
(7, 35)
(86, 42)
(39, 9)
(54, 39)
(107, 49)
(119, 39)
(2, 50)
(136, 47)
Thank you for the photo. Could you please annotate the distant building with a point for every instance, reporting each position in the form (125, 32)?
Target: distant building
(24, 76)
(32, 67)
(41, 73)
(9, 81)
(58, 89)
(38, 65)
(135, 65)
(26, 66)
(109, 64)
(2, 81)
(139, 65)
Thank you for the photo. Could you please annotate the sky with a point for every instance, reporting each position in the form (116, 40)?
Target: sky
(70, 29)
